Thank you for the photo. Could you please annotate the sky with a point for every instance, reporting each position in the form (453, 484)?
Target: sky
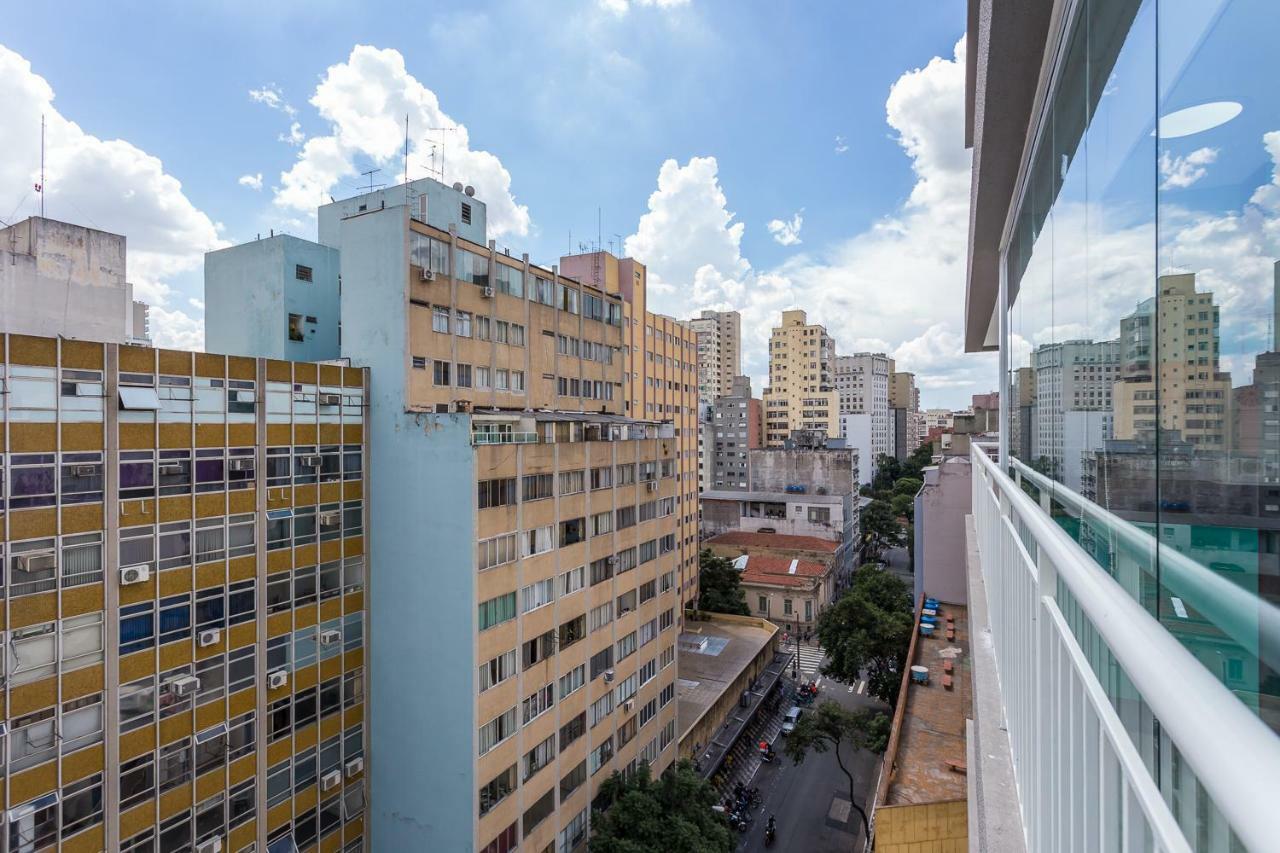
(755, 155)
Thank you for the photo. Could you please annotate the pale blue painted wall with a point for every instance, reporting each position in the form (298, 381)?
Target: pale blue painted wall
(444, 209)
(422, 559)
(251, 289)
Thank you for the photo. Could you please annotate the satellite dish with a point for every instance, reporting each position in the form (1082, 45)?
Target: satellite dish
(470, 190)
(457, 186)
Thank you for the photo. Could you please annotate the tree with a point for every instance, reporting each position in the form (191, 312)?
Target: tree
(828, 727)
(721, 585)
(907, 486)
(869, 629)
(672, 814)
(879, 527)
(888, 469)
(903, 506)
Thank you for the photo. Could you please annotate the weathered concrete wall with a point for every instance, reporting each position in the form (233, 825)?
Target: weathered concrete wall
(774, 470)
(941, 507)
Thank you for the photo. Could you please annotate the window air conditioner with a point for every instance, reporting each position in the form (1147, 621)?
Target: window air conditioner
(608, 675)
(36, 562)
(312, 461)
(331, 780)
(209, 637)
(86, 470)
(212, 845)
(330, 638)
(611, 561)
(172, 469)
(628, 705)
(135, 574)
(240, 465)
(277, 679)
(651, 486)
(330, 400)
(428, 274)
(462, 405)
(183, 685)
(355, 766)
(328, 518)
(486, 292)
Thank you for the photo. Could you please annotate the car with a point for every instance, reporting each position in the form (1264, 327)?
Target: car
(789, 721)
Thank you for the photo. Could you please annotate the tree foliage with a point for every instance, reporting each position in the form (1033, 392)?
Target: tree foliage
(907, 486)
(671, 813)
(831, 726)
(903, 506)
(721, 585)
(869, 628)
(880, 529)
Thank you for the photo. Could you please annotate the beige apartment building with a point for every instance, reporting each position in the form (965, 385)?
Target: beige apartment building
(801, 392)
(1195, 395)
(719, 335)
(185, 616)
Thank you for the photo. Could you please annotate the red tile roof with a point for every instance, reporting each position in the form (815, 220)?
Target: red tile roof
(764, 564)
(774, 540)
(750, 577)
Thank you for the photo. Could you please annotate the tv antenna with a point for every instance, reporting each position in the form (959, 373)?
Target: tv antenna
(369, 174)
(441, 142)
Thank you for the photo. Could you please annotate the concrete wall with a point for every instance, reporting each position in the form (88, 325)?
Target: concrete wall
(423, 743)
(443, 207)
(941, 507)
(773, 470)
(856, 431)
(58, 279)
(251, 289)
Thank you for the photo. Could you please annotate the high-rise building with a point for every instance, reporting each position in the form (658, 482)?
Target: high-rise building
(735, 426)
(64, 280)
(1179, 335)
(801, 392)
(862, 382)
(1073, 382)
(536, 429)
(719, 351)
(184, 538)
(909, 427)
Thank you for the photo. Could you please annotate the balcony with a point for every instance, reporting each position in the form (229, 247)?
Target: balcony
(1118, 737)
(504, 438)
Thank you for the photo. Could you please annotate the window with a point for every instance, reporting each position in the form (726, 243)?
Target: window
(572, 531)
(624, 517)
(601, 755)
(497, 610)
(537, 541)
(539, 757)
(419, 362)
(572, 631)
(493, 493)
(464, 375)
(295, 328)
(440, 319)
(538, 649)
(536, 487)
(497, 730)
(497, 789)
(466, 213)
(572, 580)
(302, 273)
(571, 482)
(538, 594)
(600, 662)
(440, 372)
(571, 682)
(496, 551)
(497, 670)
(539, 811)
(602, 523)
(574, 778)
(462, 323)
(626, 603)
(626, 647)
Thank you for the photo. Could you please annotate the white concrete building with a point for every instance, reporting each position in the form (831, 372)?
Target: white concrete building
(857, 433)
(1073, 378)
(862, 383)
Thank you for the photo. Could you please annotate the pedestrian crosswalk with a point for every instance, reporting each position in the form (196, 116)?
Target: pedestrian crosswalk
(811, 658)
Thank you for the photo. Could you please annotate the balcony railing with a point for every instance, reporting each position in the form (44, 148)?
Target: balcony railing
(504, 438)
(1120, 738)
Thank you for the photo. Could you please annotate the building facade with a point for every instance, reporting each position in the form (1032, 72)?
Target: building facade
(909, 425)
(801, 392)
(735, 427)
(862, 381)
(185, 599)
(1073, 382)
(719, 335)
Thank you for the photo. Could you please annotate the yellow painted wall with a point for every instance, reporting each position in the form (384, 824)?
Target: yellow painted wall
(927, 828)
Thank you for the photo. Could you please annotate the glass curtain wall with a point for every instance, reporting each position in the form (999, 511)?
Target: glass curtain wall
(1142, 336)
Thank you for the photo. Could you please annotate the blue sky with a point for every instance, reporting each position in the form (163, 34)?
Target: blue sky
(845, 114)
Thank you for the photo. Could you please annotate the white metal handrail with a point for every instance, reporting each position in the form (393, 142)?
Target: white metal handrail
(1221, 602)
(1233, 755)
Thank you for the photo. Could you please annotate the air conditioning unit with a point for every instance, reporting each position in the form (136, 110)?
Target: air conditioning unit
(36, 562)
(86, 470)
(240, 465)
(209, 637)
(486, 292)
(328, 518)
(428, 274)
(330, 399)
(628, 705)
(608, 676)
(331, 780)
(462, 405)
(135, 574)
(651, 486)
(277, 679)
(183, 685)
(172, 469)
(355, 766)
(611, 561)
(213, 845)
(312, 461)
(330, 638)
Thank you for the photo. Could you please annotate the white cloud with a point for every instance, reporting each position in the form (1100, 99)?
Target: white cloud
(271, 96)
(842, 144)
(786, 233)
(621, 7)
(897, 287)
(253, 182)
(365, 100)
(1179, 171)
(295, 136)
(104, 183)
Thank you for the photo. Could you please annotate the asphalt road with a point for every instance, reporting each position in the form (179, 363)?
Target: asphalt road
(811, 800)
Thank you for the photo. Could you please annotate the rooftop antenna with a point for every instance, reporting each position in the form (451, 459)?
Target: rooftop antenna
(369, 174)
(442, 148)
(40, 186)
(406, 149)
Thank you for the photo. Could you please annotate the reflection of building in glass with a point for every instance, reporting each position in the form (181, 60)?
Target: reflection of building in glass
(1072, 404)
(1194, 394)
(1022, 412)
(1255, 408)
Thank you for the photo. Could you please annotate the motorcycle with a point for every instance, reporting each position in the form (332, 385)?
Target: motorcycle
(738, 821)
(768, 836)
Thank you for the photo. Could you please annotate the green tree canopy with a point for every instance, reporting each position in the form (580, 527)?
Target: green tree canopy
(903, 506)
(869, 628)
(721, 585)
(907, 486)
(880, 529)
(671, 814)
(830, 726)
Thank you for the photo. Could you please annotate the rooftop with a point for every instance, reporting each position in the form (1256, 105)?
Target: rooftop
(712, 655)
(781, 541)
(932, 728)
